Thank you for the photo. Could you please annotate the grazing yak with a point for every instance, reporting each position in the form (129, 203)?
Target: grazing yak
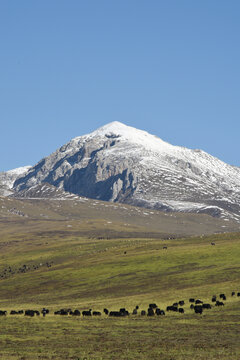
(87, 312)
(223, 296)
(76, 313)
(115, 313)
(121, 312)
(219, 303)
(159, 312)
(124, 312)
(198, 309)
(152, 306)
(150, 312)
(16, 312)
(31, 313)
(62, 312)
(96, 313)
(206, 306)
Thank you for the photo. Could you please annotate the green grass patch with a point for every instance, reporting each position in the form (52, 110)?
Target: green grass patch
(87, 272)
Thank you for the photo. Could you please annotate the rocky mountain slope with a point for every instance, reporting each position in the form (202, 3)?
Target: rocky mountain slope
(8, 178)
(119, 163)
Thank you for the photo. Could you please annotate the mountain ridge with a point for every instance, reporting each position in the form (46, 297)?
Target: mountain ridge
(8, 178)
(119, 163)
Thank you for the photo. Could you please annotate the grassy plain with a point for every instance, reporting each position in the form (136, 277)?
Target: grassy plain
(90, 268)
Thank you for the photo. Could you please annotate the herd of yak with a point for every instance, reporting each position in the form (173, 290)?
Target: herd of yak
(196, 305)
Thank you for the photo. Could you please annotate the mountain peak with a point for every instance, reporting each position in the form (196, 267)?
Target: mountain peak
(116, 128)
(113, 126)
(131, 135)
(122, 164)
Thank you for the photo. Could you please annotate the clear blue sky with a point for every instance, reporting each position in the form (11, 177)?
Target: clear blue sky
(169, 67)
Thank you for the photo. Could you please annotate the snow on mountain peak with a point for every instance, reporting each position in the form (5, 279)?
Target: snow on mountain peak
(129, 134)
(114, 127)
(125, 131)
(18, 171)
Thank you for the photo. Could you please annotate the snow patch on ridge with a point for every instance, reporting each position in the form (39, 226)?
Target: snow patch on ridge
(8, 178)
(18, 171)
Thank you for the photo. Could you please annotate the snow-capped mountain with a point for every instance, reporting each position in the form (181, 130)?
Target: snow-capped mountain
(119, 163)
(8, 178)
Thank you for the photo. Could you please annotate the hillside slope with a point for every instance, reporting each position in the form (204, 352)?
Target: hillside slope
(96, 218)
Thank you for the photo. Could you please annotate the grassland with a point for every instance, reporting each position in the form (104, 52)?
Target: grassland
(108, 219)
(72, 263)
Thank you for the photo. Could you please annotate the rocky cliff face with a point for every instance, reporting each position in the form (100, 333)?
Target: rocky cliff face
(122, 164)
